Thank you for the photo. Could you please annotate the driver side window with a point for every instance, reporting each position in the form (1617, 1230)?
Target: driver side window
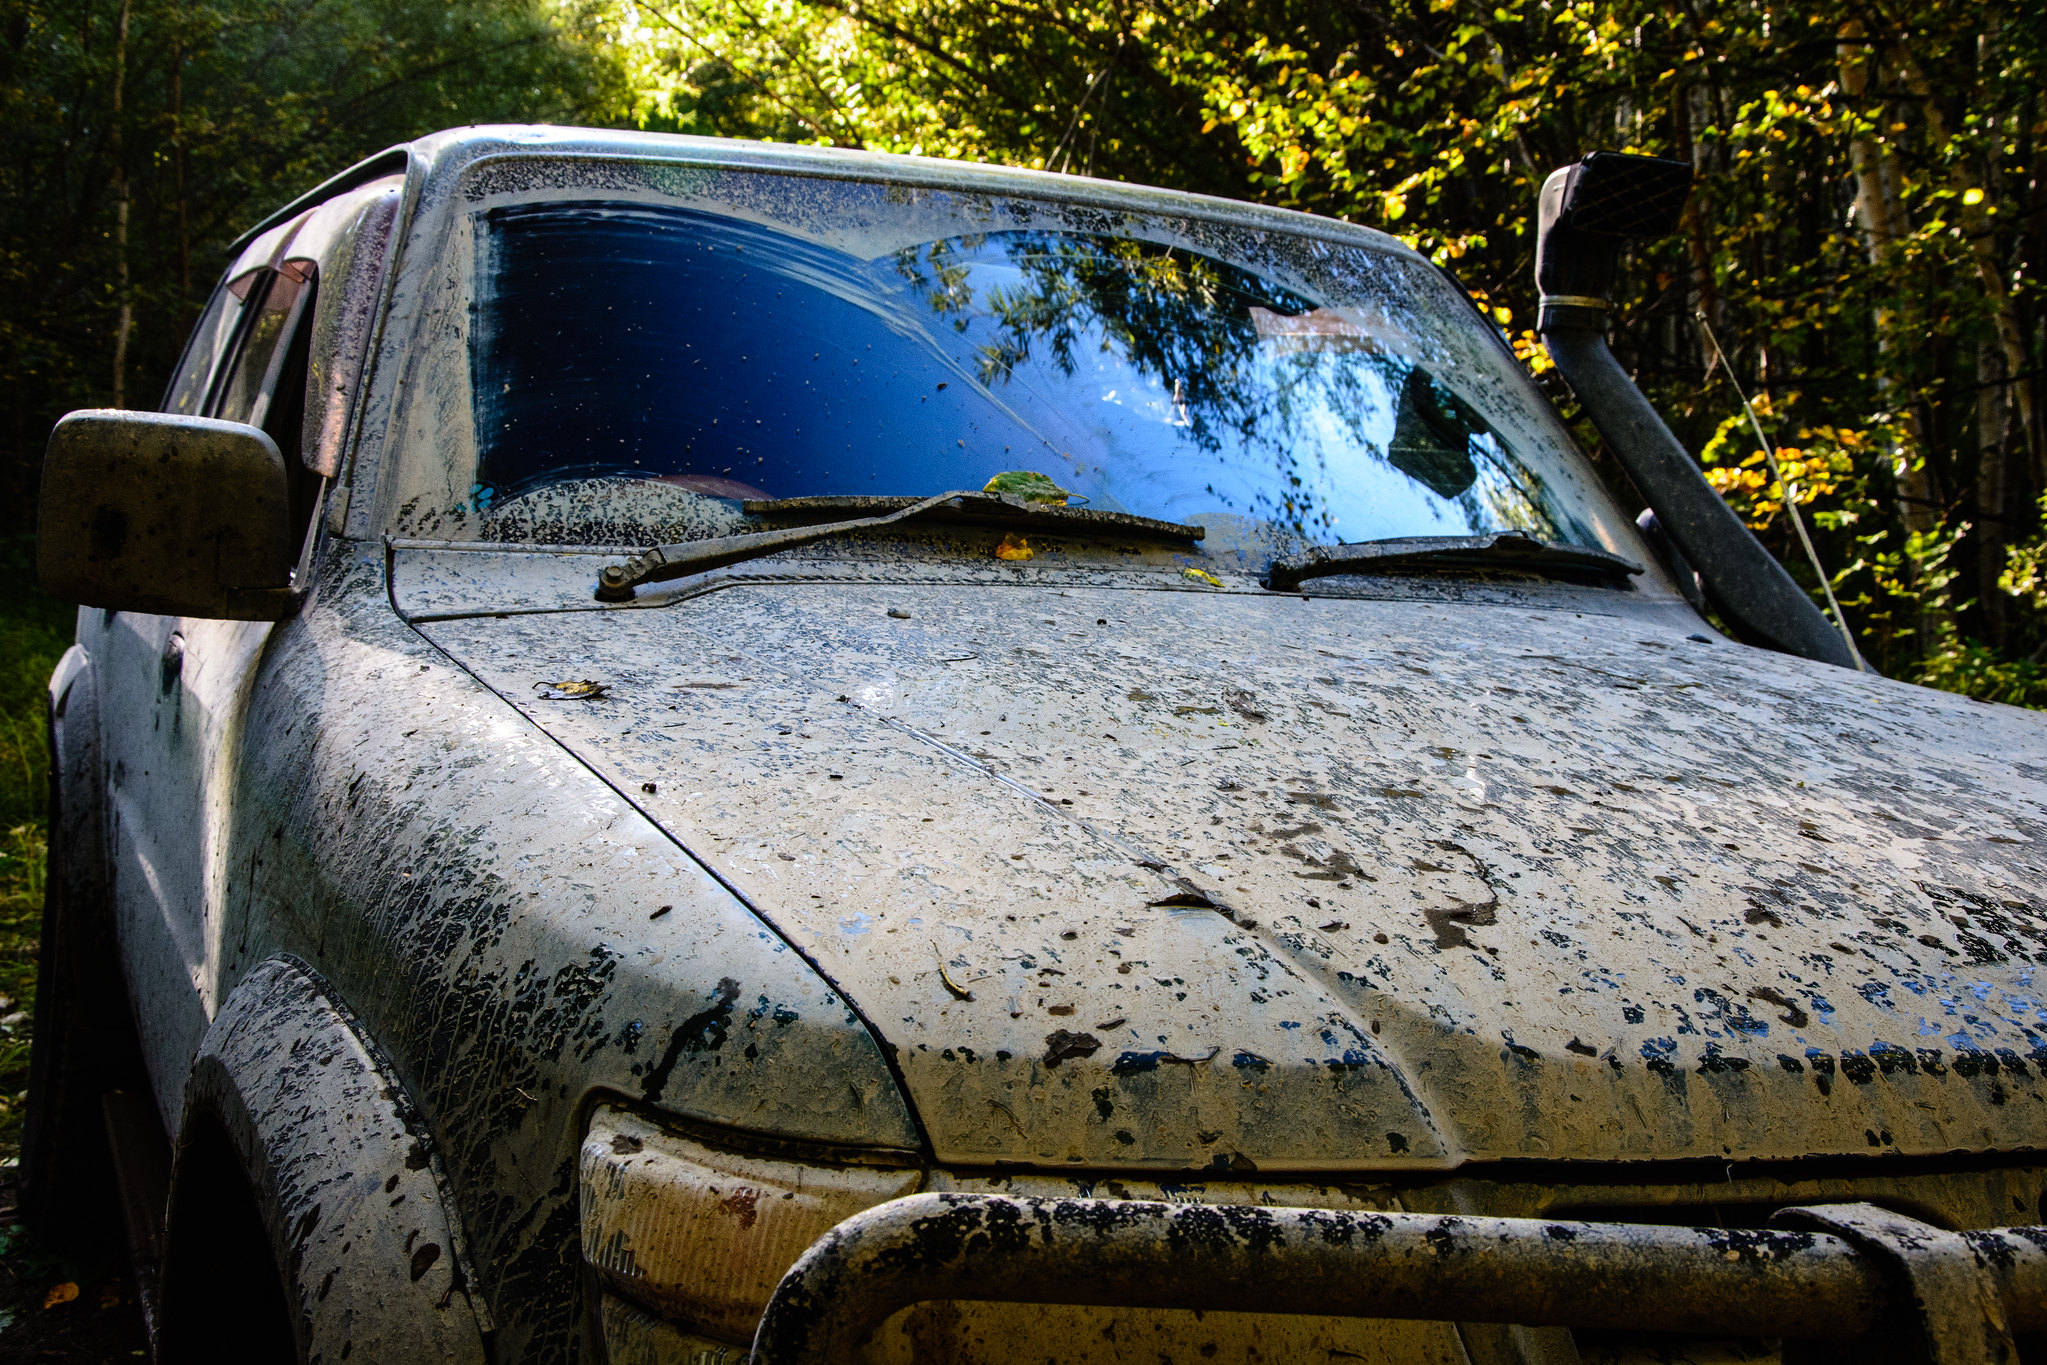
(208, 343)
(265, 385)
(276, 306)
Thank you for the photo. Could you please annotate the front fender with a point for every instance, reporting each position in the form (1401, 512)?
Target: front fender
(520, 939)
(345, 1179)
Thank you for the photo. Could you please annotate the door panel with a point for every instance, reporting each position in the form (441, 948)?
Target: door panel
(176, 692)
(183, 685)
(179, 689)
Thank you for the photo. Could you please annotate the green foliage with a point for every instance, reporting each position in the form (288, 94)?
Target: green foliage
(1859, 241)
(1964, 666)
(21, 917)
(209, 115)
(227, 109)
(34, 631)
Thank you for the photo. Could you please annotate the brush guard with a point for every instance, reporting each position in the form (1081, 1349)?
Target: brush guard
(1819, 1273)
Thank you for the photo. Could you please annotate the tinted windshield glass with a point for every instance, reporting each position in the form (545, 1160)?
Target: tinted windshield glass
(652, 365)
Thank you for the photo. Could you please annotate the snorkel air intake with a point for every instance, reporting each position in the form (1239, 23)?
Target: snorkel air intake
(1585, 212)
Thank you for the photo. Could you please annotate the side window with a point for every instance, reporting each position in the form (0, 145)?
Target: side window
(208, 342)
(255, 379)
(266, 387)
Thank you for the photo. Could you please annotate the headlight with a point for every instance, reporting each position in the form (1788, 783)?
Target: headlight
(703, 1236)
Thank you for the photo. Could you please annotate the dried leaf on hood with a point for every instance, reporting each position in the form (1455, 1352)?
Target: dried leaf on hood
(572, 689)
(1201, 576)
(1014, 548)
(1061, 1044)
(1189, 896)
(957, 991)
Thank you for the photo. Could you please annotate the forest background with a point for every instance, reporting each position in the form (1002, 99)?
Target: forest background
(1864, 238)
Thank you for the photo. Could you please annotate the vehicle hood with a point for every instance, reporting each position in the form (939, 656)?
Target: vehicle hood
(1219, 880)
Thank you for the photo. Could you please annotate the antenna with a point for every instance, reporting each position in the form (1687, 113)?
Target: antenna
(1790, 494)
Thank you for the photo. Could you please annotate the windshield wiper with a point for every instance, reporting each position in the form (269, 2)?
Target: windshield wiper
(1501, 550)
(664, 562)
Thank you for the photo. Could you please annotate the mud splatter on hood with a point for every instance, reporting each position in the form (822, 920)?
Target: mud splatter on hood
(1214, 880)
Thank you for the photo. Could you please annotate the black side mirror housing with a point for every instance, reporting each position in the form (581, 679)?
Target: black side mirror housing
(172, 515)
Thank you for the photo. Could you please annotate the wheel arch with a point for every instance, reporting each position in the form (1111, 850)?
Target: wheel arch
(342, 1171)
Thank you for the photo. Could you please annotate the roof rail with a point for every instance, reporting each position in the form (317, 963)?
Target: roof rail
(361, 173)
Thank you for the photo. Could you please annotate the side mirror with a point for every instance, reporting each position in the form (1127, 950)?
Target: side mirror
(176, 516)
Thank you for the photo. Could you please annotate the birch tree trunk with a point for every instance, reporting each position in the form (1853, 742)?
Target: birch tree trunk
(1982, 239)
(1882, 222)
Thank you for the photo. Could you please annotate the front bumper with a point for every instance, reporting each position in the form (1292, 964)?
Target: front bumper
(1824, 1272)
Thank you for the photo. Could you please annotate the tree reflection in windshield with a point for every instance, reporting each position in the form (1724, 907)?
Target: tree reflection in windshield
(728, 359)
(1254, 375)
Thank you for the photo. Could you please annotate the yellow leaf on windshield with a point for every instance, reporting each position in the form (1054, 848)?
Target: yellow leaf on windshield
(1029, 485)
(1014, 548)
(1202, 576)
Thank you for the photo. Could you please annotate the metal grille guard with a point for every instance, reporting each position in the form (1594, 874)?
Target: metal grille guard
(1820, 1272)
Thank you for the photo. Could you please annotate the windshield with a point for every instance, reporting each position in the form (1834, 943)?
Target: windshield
(638, 370)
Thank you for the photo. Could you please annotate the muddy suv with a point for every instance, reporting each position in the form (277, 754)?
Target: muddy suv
(678, 747)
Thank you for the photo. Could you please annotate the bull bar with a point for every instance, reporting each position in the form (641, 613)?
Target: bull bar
(1820, 1272)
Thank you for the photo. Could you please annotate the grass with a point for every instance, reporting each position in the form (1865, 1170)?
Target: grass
(34, 631)
(50, 1309)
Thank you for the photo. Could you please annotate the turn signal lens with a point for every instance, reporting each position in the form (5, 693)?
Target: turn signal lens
(701, 1235)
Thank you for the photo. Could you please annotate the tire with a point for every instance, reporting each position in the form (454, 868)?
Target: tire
(85, 1045)
(223, 1296)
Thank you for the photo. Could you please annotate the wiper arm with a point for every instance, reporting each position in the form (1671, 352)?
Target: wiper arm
(664, 562)
(1500, 550)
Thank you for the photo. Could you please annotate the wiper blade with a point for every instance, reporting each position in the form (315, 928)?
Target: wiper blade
(1500, 550)
(663, 563)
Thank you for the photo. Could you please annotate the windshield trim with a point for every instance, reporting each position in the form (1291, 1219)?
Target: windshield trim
(665, 563)
(926, 173)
